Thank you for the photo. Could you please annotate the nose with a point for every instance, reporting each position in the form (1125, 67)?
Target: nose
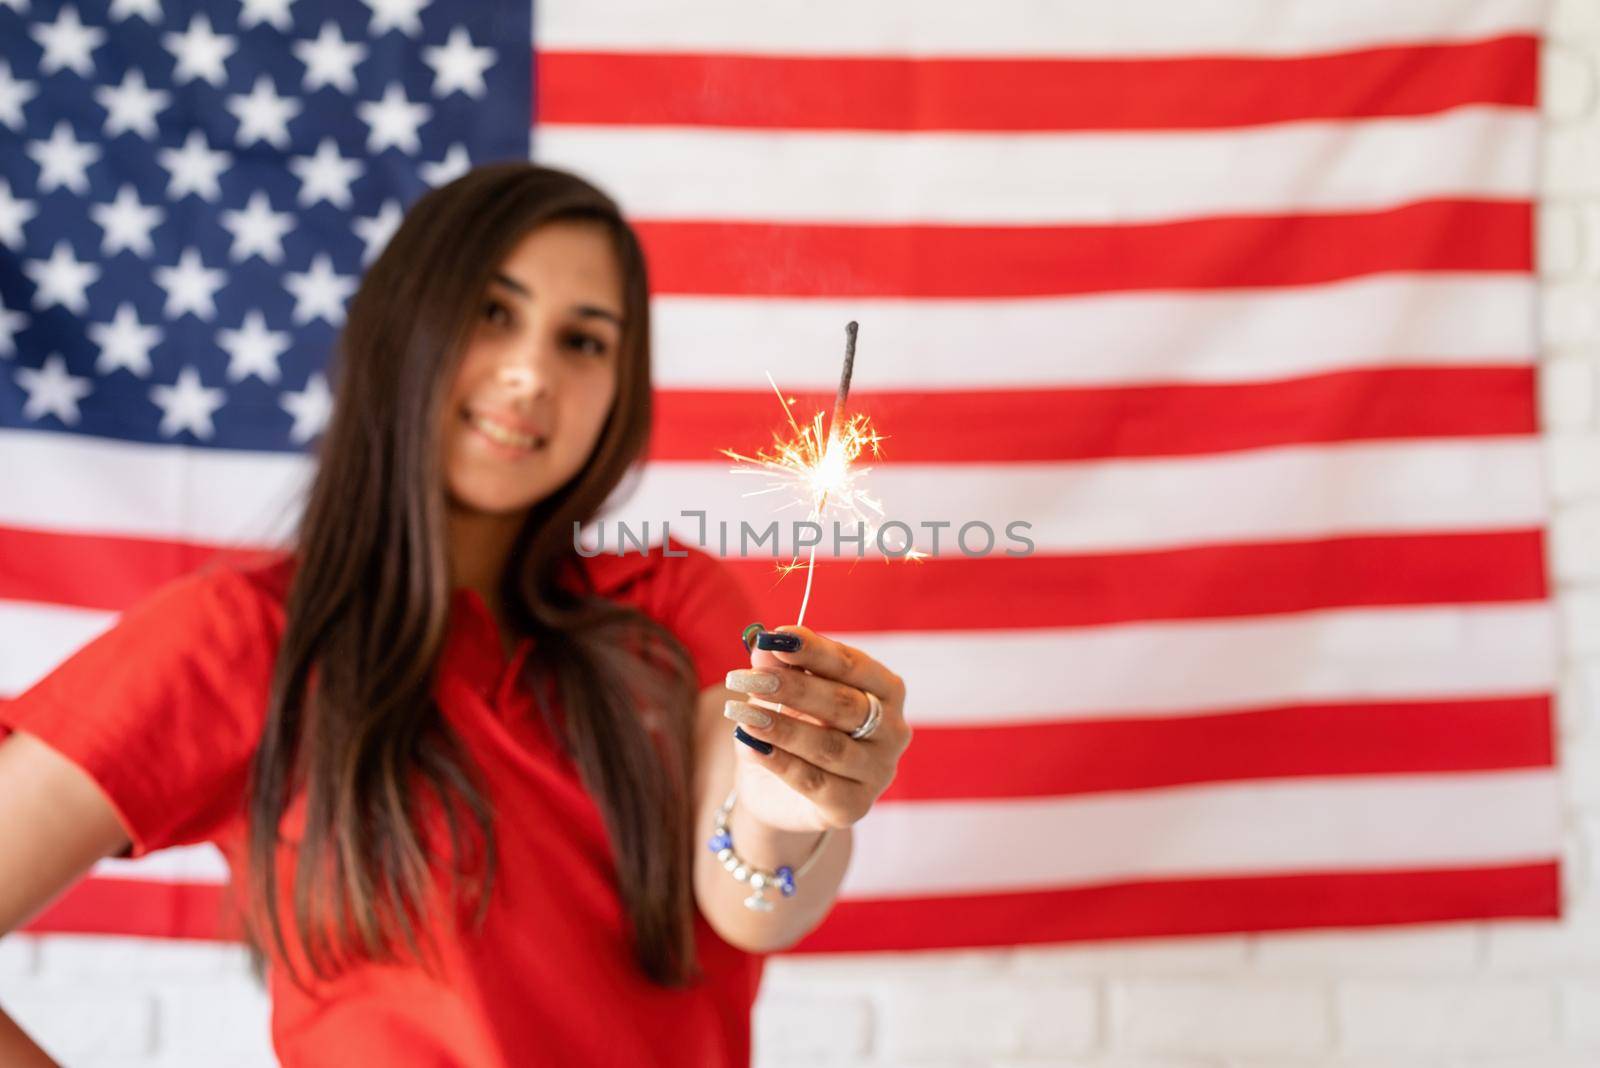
(527, 370)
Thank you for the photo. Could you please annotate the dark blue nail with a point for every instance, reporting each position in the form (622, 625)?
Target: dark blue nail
(778, 641)
(764, 748)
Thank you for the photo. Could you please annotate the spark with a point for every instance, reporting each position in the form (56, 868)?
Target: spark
(814, 466)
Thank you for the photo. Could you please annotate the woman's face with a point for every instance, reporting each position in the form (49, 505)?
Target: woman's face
(539, 372)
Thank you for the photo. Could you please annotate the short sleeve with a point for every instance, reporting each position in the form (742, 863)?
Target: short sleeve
(164, 709)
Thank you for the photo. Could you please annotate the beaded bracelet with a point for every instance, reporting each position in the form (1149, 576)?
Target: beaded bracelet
(721, 843)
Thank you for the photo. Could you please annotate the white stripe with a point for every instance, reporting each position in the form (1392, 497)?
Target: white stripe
(928, 848)
(962, 678)
(1126, 338)
(1122, 505)
(36, 637)
(61, 483)
(76, 484)
(1025, 27)
(1149, 670)
(179, 864)
(1051, 179)
(1252, 828)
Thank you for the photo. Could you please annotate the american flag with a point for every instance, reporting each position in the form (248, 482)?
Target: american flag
(1234, 303)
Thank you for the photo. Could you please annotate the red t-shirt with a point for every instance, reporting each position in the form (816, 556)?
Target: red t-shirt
(165, 708)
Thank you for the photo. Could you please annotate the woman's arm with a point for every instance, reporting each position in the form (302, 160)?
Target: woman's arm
(54, 824)
(720, 895)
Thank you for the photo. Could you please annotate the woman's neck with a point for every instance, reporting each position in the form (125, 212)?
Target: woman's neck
(480, 545)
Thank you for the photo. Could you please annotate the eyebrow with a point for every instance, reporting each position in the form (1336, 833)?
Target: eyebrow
(586, 311)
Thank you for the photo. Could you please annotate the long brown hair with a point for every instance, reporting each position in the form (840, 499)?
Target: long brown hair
(351, 719)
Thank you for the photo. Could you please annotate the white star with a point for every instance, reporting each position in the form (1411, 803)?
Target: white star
(253, 349)
(330, 60)
(195, 168)
(62, 279)
(12, 323)
(19, 6)
(67, 43)
(393, 121)
(190, 286)
(319, 293)
(263, 115)
(273, 12)
(188, 405)
(458, 65)
(132, 105)
(395, 15)
(124, 342)
(325, 176)
(52, 391)
(456, 162)
(13, 214)
(376, 231)
(127, 223)
(63, 160)
(149, 10)
(257, 230)
(14, 94)
(199, 53)
(310, 408)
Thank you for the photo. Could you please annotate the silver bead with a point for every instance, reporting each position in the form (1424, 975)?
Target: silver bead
(758, 880)
(724, 853)
(742, 872)
(730, 861)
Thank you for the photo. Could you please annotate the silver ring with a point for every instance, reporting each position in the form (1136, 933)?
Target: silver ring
(874, 717)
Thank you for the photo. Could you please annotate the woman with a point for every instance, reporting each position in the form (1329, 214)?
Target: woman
(467, 780)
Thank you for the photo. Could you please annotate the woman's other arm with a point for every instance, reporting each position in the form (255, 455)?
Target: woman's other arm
(54, 824)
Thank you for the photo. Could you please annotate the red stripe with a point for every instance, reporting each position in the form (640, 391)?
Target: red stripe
(1169, 907)
(954, 592)
(959, 593)
(92, 571)
(1053, 759)
(806, 260)
(1189, 906)
(141, 908)
(1004, 425)
(1145, 93)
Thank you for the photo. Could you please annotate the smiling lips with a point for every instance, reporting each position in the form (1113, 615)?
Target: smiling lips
(520, 436)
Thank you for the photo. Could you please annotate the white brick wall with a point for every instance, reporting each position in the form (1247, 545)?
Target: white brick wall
(1501, 995)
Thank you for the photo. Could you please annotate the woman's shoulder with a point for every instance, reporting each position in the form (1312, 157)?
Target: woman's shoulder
(235, 592)
(224, 616)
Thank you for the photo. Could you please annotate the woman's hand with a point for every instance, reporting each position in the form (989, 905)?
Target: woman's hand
(816, 777)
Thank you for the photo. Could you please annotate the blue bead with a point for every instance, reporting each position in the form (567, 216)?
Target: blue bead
(785, 876)
(720, 841)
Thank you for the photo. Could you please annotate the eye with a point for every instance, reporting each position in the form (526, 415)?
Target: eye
(496, 312)
(587, 343)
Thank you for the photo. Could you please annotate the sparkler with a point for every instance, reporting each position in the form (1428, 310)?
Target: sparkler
(815, 466)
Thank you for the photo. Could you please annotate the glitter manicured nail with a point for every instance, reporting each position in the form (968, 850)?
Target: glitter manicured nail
(743, 713)
(746, 681)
